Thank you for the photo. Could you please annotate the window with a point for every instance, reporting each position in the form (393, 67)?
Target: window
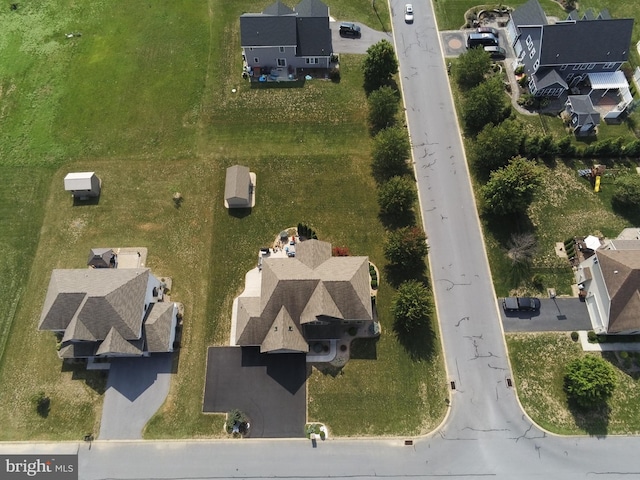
(256, 60)
(569, 77)
(583, 66)
(281, 49)
(536, 65)
(532, 53)
(564, 67)
(609, 66)
(591, 66)
(311, 61)
(576, 67)
(282, 62)
(529, 41)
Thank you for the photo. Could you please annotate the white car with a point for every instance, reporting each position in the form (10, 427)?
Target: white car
(408, 13)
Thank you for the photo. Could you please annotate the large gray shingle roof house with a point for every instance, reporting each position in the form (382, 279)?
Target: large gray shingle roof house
(108, 312)
(287, 39)
(559, 56)
(611, 279)
(311, 296)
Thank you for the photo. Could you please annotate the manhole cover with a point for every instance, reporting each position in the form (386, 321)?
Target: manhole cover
(455, 43)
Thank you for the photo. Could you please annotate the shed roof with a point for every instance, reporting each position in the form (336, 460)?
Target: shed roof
(78, 181)
(237, 183)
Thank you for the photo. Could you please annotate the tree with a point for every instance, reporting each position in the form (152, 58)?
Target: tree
(541, 146)
(485, 104)
(411, 306)
(496, 144)
(511, 188)
(626, 194)
(391, 150)
(397, 196)
(522, 247)
(383, 108)
(472, 67)
(379, 65)
(406, 247)
(589, 381)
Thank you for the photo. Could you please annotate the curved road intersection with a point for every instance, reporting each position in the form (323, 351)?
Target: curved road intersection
(486, 433)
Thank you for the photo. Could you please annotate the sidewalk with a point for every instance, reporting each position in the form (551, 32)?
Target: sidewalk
(606, 347)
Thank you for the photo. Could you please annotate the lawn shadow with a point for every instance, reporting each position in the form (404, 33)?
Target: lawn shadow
(328, 369)
(502, 227)
(419, 342)
(94, 379)
(397, 220)
(86, 203)
(397, 274)
(239, 212)
(594, 421)
(364, 349)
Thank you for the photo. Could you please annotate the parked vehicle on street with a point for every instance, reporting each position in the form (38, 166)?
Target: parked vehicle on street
(408, 13)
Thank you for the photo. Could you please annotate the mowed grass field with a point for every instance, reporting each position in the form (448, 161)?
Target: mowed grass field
(539, 361)
(144, 98)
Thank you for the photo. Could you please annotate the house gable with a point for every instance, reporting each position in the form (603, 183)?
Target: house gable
(312, 288)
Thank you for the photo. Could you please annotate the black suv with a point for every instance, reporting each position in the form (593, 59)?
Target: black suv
(349, 30)
(521, 304)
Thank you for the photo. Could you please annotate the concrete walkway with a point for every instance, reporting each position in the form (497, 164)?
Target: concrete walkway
(606, 347)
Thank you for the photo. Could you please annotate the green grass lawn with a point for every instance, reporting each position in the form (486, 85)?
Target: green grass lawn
(539, 362)
(144, 98)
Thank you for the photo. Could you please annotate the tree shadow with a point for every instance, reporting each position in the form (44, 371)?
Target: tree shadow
(393, 221)
(503, 226)
(419, 342)
(396, 274)
(364, 349)
(594, 420)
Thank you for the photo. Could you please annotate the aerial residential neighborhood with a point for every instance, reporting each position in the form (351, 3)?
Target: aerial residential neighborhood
(329, 238)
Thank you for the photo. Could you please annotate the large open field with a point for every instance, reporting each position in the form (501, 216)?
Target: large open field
(144, 98)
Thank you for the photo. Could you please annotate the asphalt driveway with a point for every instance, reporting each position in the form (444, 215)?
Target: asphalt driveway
(555, 315)
(356, 45)
(269, 388)
(136, 388)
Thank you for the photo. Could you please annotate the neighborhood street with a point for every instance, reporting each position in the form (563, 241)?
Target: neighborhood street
(486, 433)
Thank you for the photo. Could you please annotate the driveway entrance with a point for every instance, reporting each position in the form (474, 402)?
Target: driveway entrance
(136, 388)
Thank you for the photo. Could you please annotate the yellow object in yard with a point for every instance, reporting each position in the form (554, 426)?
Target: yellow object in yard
(597, 187)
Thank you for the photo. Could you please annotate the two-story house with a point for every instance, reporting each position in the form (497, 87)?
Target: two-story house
(285, 39)
(557, 57)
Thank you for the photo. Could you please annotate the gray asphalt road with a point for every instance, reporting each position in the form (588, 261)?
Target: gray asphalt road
(555, 315)
(136, 388)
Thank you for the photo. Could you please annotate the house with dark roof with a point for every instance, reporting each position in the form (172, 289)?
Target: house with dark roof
(279, 40)
(108, 312)
(584, 117)
(557, 57)
(610, 282)
(312, 296)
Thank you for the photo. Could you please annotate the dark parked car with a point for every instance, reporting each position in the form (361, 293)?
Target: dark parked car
(490, 30)
(348, 29)
(484, 39)
(521, 304)
(497, 53)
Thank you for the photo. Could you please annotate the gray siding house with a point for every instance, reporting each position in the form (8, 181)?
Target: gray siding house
(559, 56)
(281, 39)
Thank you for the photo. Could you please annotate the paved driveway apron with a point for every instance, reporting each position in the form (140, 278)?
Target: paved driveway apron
(356, 45)
(136, 388)
(555, 315)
